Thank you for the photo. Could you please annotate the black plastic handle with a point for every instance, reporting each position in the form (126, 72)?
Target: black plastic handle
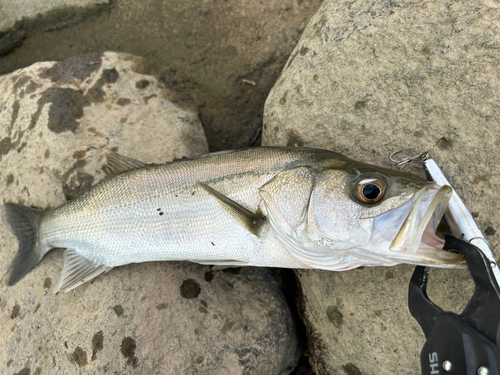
(455, 348)
(465, 344)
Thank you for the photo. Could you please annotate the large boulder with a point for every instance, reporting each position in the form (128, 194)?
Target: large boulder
(18, 17)
(57, 122)
(367, 79)
(221, 55)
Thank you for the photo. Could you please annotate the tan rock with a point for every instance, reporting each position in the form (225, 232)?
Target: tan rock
(221, 56)
(57, 122)
(367, 79)
(18, 18)
(16, 11)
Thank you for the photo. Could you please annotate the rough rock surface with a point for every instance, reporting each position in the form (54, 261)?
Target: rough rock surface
(13, 11)
(222, 56)
(19, 16)
(367, 79)
(87, 106)
(57, 121)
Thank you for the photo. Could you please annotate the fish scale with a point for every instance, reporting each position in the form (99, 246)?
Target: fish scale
(272, 207)
(120, 223)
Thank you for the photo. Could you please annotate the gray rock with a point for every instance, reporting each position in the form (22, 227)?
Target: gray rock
(222, 57)
(367, 79)
(60, 119)
(18, 17)
(57, 122)
(16, 11)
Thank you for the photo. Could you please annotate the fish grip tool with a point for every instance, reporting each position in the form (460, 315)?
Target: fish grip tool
(466, 343)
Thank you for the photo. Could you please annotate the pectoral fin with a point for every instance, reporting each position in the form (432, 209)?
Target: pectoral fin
(77, 270)
(246, 218)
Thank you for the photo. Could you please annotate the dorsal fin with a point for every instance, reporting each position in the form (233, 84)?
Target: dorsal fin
(246, 218)
(118, 164)
(205, 156)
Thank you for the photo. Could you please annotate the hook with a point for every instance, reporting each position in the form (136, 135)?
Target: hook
(422, 156)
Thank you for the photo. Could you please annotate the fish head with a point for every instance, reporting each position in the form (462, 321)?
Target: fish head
(353, 214)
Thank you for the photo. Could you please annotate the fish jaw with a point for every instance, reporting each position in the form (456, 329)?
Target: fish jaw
(407, 234)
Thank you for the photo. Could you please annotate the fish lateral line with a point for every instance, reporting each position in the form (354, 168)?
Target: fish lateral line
(294, 208)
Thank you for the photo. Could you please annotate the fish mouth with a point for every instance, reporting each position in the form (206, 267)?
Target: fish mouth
(410, 230)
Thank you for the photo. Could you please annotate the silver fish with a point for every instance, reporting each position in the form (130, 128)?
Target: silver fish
(269, 207)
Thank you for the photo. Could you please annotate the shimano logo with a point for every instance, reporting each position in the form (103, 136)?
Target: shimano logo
(434, 363)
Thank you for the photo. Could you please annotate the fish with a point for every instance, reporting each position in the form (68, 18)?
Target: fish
(266, 207)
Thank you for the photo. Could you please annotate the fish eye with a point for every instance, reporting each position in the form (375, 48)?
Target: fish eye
(369, 190)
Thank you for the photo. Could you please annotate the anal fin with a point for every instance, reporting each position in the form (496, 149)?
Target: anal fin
(246, 218)
(77, 270)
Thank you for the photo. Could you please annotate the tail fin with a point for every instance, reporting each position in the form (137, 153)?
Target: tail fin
(24, 223)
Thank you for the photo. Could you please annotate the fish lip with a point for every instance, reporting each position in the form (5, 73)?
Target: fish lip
(416, 242)
(427, 211)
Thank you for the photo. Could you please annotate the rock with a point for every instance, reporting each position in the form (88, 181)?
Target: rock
(61, 118)
(221, 57)
(15, 11)
(57, 122)
(367, 79)
(18, 17)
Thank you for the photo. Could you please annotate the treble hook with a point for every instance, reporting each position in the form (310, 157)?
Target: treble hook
(422, 156)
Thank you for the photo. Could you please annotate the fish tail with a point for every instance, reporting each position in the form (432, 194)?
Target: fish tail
(24, 223)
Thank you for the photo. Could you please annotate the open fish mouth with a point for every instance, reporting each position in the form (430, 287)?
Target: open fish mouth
(410, 230)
